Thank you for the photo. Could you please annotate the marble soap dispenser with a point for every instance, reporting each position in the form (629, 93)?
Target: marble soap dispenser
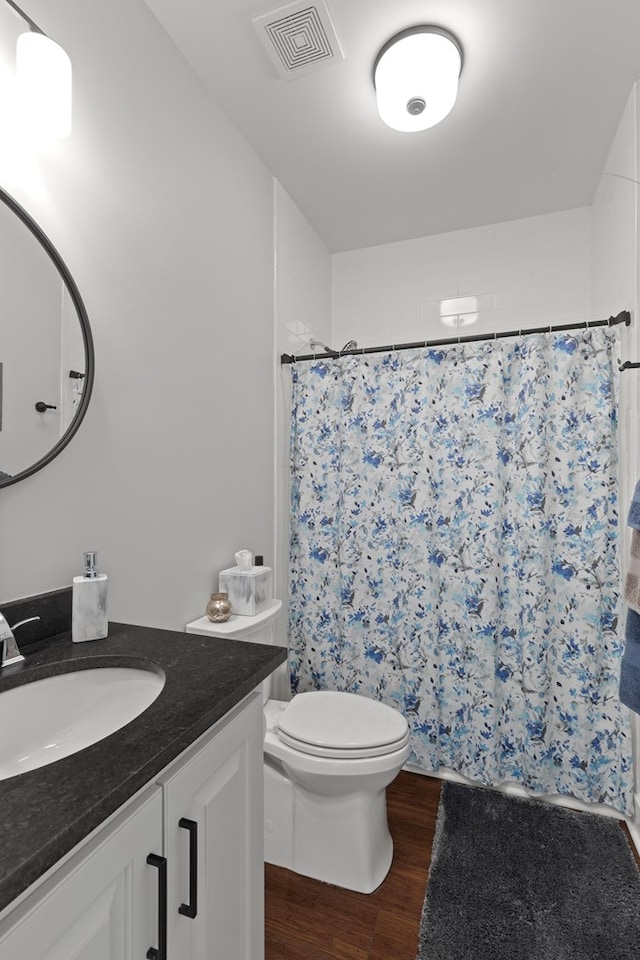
(89, 603)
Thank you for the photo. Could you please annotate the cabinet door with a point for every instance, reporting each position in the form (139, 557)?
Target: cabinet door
(216, 794)
(101, 904)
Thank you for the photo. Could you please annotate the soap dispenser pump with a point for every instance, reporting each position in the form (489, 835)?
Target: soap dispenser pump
(89, 603)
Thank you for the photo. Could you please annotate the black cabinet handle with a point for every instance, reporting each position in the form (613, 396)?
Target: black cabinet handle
(191, 909)
(42, 407)
(160, 952)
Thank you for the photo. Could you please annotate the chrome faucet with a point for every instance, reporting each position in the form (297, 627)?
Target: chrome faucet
(10, 652)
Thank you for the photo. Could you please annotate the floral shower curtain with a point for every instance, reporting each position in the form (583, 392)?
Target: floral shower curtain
(454, 553)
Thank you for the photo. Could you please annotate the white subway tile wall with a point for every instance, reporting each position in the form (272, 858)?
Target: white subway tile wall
(529, 272)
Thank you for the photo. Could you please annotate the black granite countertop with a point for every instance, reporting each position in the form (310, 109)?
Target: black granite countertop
(46, 812)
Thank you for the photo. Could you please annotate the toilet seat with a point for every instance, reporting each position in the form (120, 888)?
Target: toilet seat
(337, 725)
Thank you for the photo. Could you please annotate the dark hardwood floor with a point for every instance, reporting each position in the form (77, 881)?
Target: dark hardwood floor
(308, 920)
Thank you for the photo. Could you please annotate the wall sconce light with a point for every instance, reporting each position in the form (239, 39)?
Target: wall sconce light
(416, 77)
(43, 81)
(459, 312)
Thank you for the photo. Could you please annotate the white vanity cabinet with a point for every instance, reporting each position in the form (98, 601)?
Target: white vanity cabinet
(102, 903)
(201, 822)
(213, 827)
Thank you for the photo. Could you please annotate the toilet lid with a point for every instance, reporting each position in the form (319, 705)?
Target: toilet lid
(331, 723)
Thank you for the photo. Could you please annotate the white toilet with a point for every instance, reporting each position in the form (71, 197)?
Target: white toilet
(328, 758)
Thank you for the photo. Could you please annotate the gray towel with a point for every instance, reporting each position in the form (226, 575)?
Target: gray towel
(632, 581)
(633, 520)
(630, 667)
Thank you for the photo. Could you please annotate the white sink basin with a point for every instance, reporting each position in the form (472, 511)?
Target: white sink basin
(48, 719)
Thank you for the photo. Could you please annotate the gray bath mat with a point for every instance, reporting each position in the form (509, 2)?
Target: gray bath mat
(516, 879)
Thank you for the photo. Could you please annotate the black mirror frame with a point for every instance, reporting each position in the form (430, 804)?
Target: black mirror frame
(83, 318)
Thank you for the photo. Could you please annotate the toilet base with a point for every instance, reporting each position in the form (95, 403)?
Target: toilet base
(342, 840)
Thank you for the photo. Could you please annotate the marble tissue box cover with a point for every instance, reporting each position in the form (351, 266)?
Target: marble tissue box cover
(250, 591)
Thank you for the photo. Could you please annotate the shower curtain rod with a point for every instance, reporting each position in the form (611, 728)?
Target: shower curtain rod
(623, 317)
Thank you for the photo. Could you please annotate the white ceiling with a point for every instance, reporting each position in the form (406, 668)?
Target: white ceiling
(542, 89)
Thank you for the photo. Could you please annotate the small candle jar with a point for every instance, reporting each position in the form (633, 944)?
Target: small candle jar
(219, 608)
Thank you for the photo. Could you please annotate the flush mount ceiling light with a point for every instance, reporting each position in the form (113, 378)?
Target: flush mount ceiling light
(43, 80)
(416, 77)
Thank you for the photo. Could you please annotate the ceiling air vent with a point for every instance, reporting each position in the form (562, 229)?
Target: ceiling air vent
(299, 38)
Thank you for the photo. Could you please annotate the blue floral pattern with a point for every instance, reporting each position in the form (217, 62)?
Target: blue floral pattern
(454, 553)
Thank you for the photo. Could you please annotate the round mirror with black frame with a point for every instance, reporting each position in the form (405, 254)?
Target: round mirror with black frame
(46, 347)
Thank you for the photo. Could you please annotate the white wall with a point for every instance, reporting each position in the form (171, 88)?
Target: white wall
(614, 269)
(614, 220)
(163, 214)
(615, 287)
(303, 279)
(523, 273)
(302, 312)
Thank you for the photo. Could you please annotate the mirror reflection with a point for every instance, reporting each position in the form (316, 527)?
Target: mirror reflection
(46, 353)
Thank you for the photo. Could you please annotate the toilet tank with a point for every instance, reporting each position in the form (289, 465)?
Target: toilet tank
(258, 629)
